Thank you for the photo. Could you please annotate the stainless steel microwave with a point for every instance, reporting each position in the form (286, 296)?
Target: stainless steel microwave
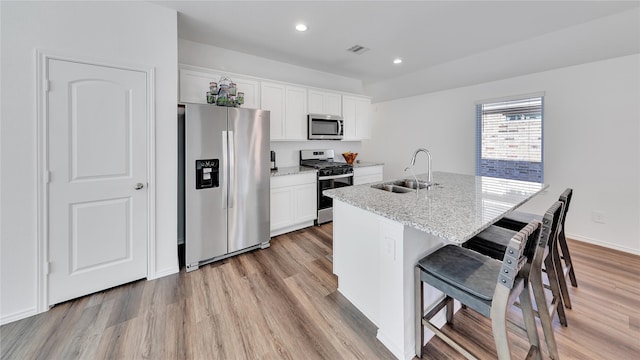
(325, 127)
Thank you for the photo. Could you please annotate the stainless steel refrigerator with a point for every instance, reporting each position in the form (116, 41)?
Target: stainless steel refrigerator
(226, 182)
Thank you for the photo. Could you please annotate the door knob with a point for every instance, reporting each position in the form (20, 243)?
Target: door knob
(139, 186)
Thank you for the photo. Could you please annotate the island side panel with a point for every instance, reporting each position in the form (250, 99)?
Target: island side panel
(396, 329)
(355, 257)
(374, 258)
(391, 331)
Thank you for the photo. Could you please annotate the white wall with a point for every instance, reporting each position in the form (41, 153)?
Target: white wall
(591, 141)
(135, 33)
(612, 36)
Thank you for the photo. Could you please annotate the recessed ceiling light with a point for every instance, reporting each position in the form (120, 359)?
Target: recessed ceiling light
(301, 27)
(397, 61)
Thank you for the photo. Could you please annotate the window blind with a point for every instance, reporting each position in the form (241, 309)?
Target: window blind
(509, 135)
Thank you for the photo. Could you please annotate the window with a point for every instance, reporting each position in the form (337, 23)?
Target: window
(509, 139)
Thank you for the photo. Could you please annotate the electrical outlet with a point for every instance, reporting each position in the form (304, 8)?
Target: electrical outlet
(598, 216)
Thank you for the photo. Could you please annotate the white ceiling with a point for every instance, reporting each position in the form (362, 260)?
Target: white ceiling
(425, 34)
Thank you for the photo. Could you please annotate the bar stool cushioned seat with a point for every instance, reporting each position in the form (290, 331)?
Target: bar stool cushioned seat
(472, 273)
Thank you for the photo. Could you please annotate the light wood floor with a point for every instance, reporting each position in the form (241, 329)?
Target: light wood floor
(282, 303)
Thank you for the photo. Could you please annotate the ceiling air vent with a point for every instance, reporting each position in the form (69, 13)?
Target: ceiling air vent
(358, 49)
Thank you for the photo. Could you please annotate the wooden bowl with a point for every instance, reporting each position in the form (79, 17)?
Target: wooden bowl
(349, 157)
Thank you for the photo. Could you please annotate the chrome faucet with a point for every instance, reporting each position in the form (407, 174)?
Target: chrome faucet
(413, 162)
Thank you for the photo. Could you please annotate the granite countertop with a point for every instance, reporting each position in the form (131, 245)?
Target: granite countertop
(455, 209)
(292, 170)
(358, 163)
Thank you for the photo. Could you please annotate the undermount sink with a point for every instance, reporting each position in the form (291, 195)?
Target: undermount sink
(404, 186)
(411, 184)
(391, 188)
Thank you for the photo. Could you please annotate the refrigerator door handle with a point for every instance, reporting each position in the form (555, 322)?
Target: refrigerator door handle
(223, 169)
(231, 167)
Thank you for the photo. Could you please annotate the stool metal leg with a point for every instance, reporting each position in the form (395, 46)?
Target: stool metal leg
(449, 311)
(543, 310)
(562, 281)
(419, 311)
(529, 319)
(499, 323)
(567, 259)
(556, 303)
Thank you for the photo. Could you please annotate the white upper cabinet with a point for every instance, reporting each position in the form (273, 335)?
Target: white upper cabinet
(288, 107)
(296, 113)
(322, 102)
(289, 104)
(357, 117)
(272, 99)
(194, 84)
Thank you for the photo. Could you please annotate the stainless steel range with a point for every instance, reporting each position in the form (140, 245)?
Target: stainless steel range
(331, 175)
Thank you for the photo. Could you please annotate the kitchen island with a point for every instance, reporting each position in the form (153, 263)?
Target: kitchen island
(378, 237)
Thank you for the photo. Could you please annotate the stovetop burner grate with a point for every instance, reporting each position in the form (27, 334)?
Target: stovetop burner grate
(322, 160)
(322, 164)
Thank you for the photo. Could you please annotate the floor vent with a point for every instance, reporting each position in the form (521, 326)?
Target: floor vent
(358, 49)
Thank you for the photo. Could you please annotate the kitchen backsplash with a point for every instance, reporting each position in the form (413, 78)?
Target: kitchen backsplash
(288, 152)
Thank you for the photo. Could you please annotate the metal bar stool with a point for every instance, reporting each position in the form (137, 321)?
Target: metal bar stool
(492, 242)
(484, 284)
(562, 259)
(495, 235)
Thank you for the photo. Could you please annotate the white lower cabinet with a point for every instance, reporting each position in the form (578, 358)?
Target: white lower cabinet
(367, 174)
(293, 202)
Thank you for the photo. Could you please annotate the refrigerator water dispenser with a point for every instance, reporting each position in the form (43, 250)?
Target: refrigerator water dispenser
(207, 174)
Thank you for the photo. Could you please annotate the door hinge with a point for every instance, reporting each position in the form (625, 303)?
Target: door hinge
(47, 177)
(47, 267)
(47, 85)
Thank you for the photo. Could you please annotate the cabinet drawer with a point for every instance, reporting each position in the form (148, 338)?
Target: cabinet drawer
(292, 180)
(368, 174)
(367, 170)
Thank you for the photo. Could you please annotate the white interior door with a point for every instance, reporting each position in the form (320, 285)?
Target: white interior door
(97, 149)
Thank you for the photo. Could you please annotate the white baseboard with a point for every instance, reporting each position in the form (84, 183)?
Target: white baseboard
(23, 314)
(395, 350)
(368, 316)
(166, 272)
(291, 228)
(603, 244)
(439, 320)
(18, 315)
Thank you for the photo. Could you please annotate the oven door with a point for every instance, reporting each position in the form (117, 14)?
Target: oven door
(325, 203)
